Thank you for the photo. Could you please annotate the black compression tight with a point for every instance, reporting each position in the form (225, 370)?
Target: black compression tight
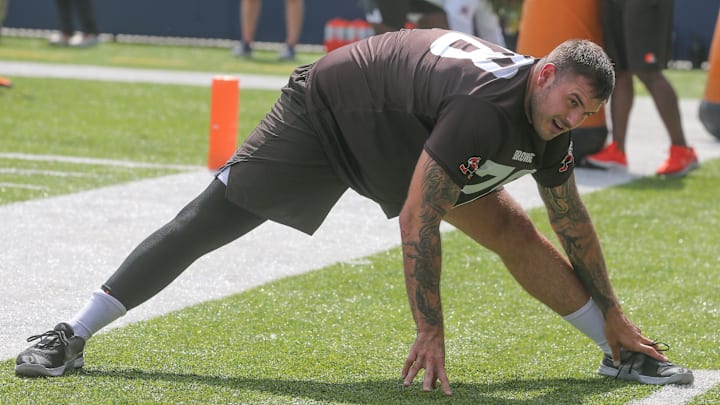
(205, 224)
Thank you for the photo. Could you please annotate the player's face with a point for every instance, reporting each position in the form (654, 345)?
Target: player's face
(561, 102)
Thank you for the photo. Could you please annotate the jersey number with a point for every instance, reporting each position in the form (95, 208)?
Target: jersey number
(502, 64)
(497, 175)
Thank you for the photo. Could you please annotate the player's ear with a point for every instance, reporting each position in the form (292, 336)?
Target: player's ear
(546, 74)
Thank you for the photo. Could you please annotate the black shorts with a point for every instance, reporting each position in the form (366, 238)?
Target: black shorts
(281, 171)
(394, 13)
(638, 33)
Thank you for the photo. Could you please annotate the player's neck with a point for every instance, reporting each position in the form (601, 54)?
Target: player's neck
(530, 88)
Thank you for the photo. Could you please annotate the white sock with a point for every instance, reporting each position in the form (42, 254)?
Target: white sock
(590, 321)
(100, 311)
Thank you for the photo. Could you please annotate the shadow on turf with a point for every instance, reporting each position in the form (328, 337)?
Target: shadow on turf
(552, 390)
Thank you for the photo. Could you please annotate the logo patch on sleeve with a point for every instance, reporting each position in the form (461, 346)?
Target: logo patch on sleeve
(568, 161)
(473, 163)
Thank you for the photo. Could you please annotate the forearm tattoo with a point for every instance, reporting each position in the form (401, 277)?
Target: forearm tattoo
(438, 193)
(571, 222)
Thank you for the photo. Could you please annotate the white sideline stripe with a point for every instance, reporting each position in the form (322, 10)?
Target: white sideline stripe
(95, 161)
(680, 394)
(54, 173)
(131, 75)
(25, 186)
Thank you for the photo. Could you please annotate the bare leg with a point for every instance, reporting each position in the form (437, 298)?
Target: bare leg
(666, 102)
(249, 13)
(540, 268)
(621, 103)
(294, 14)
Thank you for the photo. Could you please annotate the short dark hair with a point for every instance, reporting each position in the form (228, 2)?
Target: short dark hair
(587, 59)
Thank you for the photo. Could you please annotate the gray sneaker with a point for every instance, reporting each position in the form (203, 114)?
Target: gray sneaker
(287, 53)
(642, 368)
(242, 50)
(57, 352)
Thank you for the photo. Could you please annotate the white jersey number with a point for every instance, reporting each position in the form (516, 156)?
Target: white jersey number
(497, 175)
(483, 57)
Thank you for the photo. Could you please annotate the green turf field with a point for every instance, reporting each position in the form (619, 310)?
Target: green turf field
(340, 334)
(149, 56)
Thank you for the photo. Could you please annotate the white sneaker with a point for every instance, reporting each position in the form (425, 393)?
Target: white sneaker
(84, 41)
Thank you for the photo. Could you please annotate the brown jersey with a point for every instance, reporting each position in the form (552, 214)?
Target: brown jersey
(377, 103)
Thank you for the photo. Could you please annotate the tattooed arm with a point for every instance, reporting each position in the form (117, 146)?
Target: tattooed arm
(431, 194)
(571, 222)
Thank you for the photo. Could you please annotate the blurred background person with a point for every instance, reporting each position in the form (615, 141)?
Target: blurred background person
(249, 15)
(475, 17)
(638, 38)
(88, 35)
(392, 15)
(4, 82)
(3, 13)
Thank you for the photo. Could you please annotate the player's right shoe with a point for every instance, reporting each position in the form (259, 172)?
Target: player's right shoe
(682, 159)
(609, 157)
(642, 368)
(57, 352)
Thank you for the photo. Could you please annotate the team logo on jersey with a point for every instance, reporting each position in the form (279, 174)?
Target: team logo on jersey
(568, 161)
(525, 157)
(472, 165)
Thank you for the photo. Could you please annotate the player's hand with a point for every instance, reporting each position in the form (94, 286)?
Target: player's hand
(622, 333)
(428, 352)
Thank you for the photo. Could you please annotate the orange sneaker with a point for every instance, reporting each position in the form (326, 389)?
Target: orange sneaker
(609, 157)
(5, 82)
(682, 159)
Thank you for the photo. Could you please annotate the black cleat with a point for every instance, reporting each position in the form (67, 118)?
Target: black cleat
(57, 352)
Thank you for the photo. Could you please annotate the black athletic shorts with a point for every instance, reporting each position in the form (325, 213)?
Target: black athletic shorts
(281, 171)
(638, 33)
(394, 13)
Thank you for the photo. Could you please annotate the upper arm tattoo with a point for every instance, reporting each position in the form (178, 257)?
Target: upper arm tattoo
(439, 191)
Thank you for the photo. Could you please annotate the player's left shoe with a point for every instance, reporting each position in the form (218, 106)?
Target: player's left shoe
(642, 368)
(682, 159)
(56, 352)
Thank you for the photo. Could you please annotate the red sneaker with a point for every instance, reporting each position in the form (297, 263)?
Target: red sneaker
(5, 82)
(682, 159)
(609, 157)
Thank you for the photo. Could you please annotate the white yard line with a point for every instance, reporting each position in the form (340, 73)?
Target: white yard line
(682, 394)
(36, 172)
(96, 161)
(23, 186)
